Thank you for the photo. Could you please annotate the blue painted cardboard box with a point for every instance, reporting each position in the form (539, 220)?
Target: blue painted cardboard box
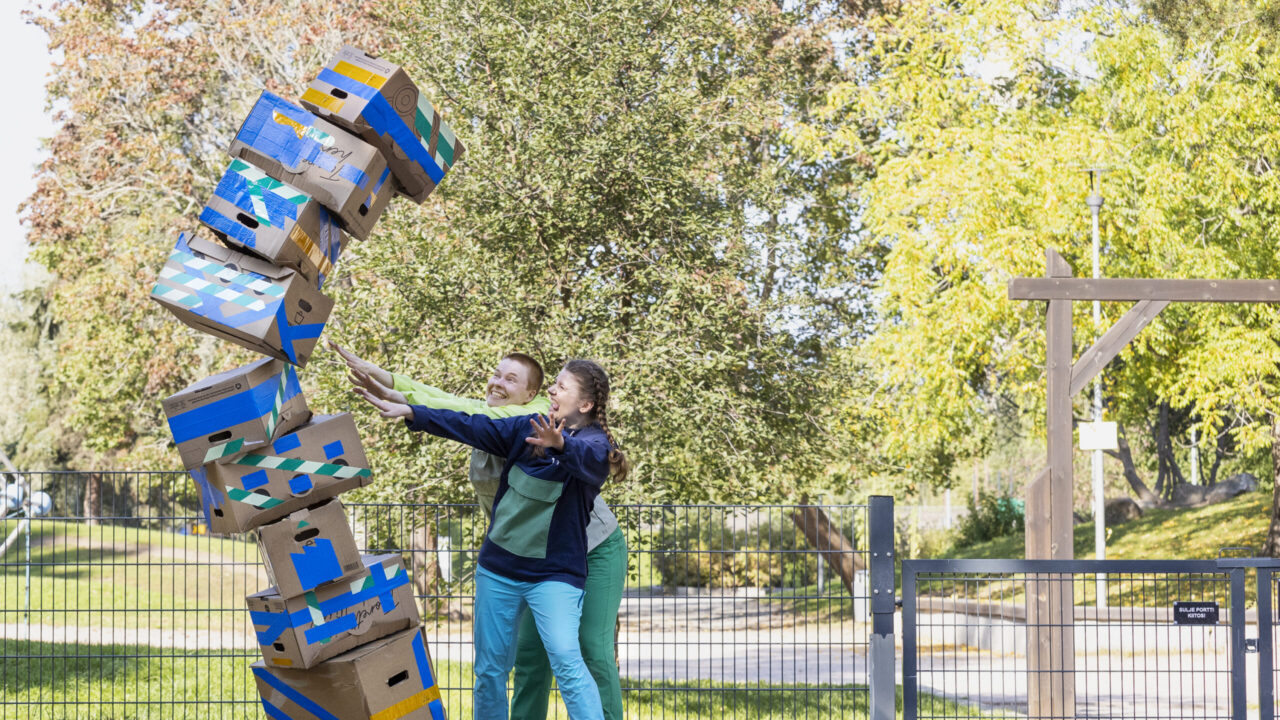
(308, 548)
(261, 306)
(317, 461)
(346, 174)
(248, 406)
(260, 215)
(376, 100)
(304, 630)
(391, 679)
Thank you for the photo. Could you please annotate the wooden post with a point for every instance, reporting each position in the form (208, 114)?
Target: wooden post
(1050, 527)
(1050, 601)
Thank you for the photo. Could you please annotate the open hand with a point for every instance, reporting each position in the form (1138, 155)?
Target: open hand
(357, 364)
(364, 380)
(385, 408)
(546, 433)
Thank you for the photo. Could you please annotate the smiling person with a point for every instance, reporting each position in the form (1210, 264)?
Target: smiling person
(509, 395)
(512, 390)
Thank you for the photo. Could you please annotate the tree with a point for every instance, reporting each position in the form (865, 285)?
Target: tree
(626, 195)
(986, 116)
(147, 97)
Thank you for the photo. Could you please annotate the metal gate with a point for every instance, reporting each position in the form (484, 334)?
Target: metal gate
(1088, 638)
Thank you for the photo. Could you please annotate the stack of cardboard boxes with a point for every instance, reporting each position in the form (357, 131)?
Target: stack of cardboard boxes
(340, 632)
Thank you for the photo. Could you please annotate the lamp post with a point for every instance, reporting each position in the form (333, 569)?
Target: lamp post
(1094, 201)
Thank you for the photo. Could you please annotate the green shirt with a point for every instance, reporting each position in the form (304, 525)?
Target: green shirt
(486, 469)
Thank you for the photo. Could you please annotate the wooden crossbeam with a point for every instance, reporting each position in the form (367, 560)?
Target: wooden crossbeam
(1134, 289)
(1108, 346)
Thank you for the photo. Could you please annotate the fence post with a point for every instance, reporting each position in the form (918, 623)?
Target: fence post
(883, 658)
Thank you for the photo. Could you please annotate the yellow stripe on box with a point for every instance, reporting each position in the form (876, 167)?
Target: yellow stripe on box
(286, 662)
(408, 705)
(308, 246)
(360, 75)
(323, 99)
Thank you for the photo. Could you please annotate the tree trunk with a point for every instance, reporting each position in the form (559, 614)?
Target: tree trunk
(1125, 456)
(1272, 546)
(826, 538)
(426, 566)
(93, 498)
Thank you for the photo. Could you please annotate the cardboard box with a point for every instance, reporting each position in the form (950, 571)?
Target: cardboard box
(235, 411)
(346, 174)
(308, 548)
(391, 679)
(258, 214)
(249, 301)
(315, 462)
(376, 100)
(302, 631)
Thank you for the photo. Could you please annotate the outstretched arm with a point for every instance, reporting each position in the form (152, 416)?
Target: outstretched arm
(358, 365)
(492, 436)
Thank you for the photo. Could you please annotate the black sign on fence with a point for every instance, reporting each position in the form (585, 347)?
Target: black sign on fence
(1195, 613)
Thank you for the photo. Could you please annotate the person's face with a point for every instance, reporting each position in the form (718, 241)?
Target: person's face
(509, 385)
(567, 400)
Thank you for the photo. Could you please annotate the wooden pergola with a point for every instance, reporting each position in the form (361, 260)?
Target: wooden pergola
(1049, 517)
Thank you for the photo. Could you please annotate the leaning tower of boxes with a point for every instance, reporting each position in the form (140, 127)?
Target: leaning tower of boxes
(340, 632)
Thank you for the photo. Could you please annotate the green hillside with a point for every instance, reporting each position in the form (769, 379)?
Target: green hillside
(1195, 533)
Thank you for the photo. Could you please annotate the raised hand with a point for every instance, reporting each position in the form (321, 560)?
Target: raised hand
(357, 364)
(546, 433)
(364, 380)
(385, 408)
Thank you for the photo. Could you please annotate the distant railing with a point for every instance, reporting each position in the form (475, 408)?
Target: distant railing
(114, 604)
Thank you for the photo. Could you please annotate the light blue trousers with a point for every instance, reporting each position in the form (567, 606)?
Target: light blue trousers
(556, 608)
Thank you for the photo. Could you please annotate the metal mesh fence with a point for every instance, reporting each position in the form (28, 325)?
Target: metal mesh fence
(115, 604)
(1117, 639)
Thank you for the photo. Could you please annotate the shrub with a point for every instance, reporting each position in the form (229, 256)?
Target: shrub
(992, 516)
(698, 551)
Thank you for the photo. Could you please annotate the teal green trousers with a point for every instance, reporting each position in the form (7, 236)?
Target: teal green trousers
(606, 575)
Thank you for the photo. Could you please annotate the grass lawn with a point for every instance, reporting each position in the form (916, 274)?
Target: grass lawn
(69, 682)
(114, 576)
(1193, 534)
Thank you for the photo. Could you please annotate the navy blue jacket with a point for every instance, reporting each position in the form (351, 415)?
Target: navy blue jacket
(540, 513)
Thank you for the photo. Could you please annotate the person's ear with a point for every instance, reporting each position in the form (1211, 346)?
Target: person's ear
(586, 407)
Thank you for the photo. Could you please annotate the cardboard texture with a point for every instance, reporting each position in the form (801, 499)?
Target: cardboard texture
(249, 301)
(308, 548)
(256, 213)
(235, 410)
(346, 174)
(301, 631)
(391, 679)
(317, 461)
(376, 100)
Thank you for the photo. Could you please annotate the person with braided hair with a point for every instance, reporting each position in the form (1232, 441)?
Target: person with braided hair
(535, 552)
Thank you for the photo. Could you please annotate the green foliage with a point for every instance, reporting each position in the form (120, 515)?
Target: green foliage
(987, 112)
(990, 517)
(621, 199)
(713, 550)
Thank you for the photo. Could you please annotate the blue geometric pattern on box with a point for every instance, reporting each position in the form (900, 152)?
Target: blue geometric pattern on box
(333, 450)
(229, 307)
(285, 133)
(298, 698)
(210, 499)
(286, 443)
(317, 564)
(384, 119)
(377, 584)
(424, 672)
(249, 404)
(253, 480)
(269, 209)
(301, 484)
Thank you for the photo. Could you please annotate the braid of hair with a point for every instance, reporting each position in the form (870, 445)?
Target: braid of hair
(599, 392)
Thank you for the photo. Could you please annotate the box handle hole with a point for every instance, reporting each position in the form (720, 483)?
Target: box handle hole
(398, 678)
